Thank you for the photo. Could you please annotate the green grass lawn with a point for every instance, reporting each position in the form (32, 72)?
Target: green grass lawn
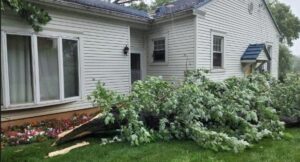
(286, 150)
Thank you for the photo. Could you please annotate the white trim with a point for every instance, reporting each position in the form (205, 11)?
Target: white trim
(196, 42)
(61, 69)
(52, 37)
(129, 59)
(35, 71)
(151, 47)
(44, 104)
(141, 62)
(4, 64)
(220, 34)
(80, 68)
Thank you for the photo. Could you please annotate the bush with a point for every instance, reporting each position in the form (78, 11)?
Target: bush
(228, 115)
(286, 97)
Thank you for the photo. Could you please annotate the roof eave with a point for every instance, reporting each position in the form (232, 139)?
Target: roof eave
(93, 10)
(173, 16)
(273, 19)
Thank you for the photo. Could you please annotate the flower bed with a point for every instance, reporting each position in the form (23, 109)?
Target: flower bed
(40, 131)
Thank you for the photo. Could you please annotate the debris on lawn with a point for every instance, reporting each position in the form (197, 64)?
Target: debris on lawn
(40, 131)
(68, 149)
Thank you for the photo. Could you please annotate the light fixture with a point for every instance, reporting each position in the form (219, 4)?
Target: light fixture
(125, 50)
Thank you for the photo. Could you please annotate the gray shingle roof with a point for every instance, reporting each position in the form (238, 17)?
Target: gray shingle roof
(253, 51)
(179, 5)
(111, 7)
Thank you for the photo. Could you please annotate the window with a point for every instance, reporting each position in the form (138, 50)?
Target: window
(218, 51)
(70, 59)
(38, 69)
(159, 52)
(48, 68)
(19, 69)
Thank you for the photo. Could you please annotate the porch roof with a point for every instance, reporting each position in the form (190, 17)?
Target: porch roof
(253, 52)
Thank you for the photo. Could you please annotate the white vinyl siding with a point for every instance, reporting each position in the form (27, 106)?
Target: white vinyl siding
(101, 55)
(241, 28)
(180, 47)
(138, 45)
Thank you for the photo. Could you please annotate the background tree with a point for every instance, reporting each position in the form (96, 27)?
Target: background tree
(296, 64)
(285, 61)
(140, 6)
(35, 16)
(289, 24)
(158, 3)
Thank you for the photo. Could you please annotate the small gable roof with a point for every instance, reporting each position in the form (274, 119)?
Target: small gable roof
(254, 51)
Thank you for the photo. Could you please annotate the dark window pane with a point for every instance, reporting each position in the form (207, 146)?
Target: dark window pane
(159, 56)
(159, 51)
(71, 77)
(217, 60)
(20, 69)
(218, 43)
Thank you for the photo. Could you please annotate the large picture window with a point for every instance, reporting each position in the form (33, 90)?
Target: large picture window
(39, 69)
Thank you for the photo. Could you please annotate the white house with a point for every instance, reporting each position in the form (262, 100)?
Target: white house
(86, 41)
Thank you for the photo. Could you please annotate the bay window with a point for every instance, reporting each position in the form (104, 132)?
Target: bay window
(38, 69)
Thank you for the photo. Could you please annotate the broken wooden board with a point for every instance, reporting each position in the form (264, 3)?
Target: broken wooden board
(94, 126)
(68, 149)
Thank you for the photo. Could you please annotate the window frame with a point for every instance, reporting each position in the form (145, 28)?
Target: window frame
(223, 50)
(35, 69)
(153, 38)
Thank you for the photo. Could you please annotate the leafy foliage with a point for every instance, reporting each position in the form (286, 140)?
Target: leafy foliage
(141, 5)
(288, 23)
(286, 96)
(296, 64)
(35, 16)
(285, 61)
(228, 115)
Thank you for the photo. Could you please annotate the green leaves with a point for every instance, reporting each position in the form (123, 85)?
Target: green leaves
(35, 16)
(228, 115)
(285, 96)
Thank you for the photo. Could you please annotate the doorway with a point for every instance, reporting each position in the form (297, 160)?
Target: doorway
(135, 67)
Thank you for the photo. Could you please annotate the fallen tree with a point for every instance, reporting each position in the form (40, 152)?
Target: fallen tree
(227, 115)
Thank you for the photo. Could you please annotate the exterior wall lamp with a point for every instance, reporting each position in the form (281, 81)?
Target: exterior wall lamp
(126, 50)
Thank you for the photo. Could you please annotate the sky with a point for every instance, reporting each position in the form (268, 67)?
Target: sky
(295, 7)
